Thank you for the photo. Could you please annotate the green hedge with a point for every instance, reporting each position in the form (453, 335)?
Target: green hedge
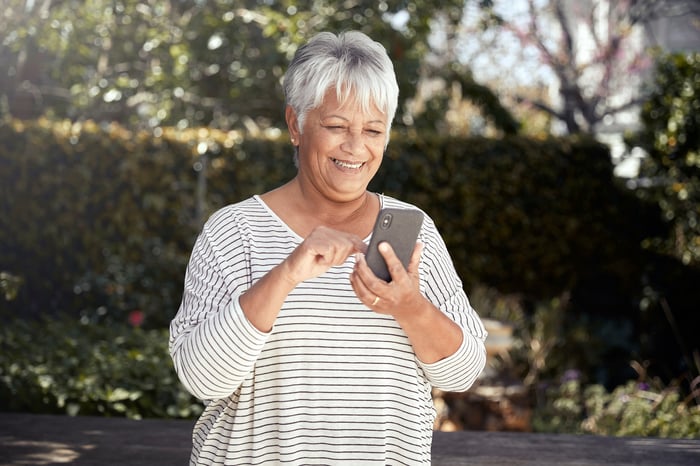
(529, 216)
(98, 209)
(56, 366)
(100, 221)
(638, 408)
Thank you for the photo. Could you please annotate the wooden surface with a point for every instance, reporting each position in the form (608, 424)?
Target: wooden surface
(27, 439)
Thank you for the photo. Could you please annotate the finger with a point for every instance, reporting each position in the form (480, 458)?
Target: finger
(322, 249)
(368, 297)
(365, 273)
(393, 263)
(356, 246)
(415, 258)
(334, 246)
(347, 244)
(338, 253)
(359, 286)
(359, 280)
(359, 245)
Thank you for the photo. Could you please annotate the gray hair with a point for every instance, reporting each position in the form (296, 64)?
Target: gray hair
(350, 62)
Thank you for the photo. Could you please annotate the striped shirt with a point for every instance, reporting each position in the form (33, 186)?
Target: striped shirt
(333, 382)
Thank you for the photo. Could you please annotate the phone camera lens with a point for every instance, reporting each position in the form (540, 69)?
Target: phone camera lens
(386, 221)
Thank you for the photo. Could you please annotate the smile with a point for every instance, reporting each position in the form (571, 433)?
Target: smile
(352, 166)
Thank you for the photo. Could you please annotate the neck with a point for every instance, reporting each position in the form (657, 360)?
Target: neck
(303, 210)
(331, 212)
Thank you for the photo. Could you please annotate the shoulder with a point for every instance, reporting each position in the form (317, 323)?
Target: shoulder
(388, 201)
(247, 207)
(250, 221)
(237, 217)
(435, 249)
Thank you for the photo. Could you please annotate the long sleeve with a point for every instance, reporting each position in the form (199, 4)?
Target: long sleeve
(443, 287)
(212, 344)
(330, 368)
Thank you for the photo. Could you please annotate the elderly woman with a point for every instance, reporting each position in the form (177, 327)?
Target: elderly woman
(301, 354)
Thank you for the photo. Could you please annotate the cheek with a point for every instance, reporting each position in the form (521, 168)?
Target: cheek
(378, 152)
(375, 164)
(322, 142)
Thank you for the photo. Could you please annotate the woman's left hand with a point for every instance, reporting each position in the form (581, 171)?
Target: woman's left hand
(401, 297)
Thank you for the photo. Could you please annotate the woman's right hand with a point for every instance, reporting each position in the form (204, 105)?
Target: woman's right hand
(322, 249)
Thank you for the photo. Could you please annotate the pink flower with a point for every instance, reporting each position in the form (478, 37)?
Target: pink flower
(136, 318)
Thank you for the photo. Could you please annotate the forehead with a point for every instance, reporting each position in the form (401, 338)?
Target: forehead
(348, 105)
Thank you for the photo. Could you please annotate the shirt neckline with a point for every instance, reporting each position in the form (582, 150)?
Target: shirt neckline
(289, 229)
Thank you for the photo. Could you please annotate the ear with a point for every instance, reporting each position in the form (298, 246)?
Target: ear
(292, 124)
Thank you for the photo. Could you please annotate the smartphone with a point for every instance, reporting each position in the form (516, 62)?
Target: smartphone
(398, 227)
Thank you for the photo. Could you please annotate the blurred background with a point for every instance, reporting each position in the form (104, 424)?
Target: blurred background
(555, 143)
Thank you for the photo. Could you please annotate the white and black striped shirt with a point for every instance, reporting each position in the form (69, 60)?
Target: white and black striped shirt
(333, 382)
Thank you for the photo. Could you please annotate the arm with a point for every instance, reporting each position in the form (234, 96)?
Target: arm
(321, 250)
(212, 344)
(223, 321)
(434, 312)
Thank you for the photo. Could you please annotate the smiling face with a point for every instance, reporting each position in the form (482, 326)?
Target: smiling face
(340, 148)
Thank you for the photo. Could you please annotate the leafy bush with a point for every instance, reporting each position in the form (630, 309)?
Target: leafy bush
(100, 216)
(551, 340)
(98, 221)
(636, 408)
(670, 174)
(579, 352)
(62, 366)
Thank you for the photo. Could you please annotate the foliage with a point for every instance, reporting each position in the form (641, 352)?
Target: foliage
(119, 210)
(670, 174)
(99, 221)
(186, 63)
(118, 370)
(670, 177)
(637, 408)
(89, 228)
(431, 113)
(115, 213)
(61, 366)
(550, 337)
(527, 216)
(9, 285)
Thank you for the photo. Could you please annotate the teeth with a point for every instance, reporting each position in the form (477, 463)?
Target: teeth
(348, 165)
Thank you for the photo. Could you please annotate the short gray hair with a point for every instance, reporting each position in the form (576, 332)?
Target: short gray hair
(350, 62)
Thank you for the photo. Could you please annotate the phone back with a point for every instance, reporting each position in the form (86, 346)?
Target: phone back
(398, 227)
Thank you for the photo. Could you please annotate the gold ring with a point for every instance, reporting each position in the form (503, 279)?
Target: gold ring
(376, 300)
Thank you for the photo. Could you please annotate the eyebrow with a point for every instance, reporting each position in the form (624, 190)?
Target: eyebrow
(334, 115)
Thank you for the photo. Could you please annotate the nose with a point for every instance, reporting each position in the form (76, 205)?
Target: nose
(353, 143)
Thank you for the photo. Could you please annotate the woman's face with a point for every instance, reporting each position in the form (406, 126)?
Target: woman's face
(341, 147)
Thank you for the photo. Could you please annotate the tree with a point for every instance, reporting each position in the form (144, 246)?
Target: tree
(454, 92)
(595, 50)
(670, 174)
(186, 63)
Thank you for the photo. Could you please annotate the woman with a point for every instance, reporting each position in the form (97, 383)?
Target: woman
(301, 354)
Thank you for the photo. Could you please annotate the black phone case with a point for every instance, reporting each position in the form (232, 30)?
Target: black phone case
(400, 228)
